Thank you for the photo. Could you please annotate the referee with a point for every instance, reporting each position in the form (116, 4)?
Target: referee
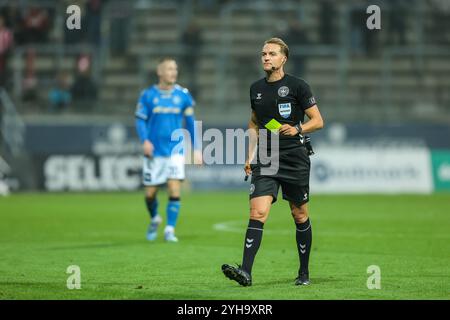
(284, 99)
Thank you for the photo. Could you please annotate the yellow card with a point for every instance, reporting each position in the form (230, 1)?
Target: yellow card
(273, 125)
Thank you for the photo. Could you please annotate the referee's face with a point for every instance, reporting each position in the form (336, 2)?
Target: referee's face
(168, 72)
(272, 58)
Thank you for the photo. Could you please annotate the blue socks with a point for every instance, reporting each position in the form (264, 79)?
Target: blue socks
(173, 209)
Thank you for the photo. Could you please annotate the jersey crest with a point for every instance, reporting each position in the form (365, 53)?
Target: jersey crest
(283, 91)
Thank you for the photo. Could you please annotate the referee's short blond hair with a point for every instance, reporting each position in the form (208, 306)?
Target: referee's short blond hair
(284, 47)
(164, 59)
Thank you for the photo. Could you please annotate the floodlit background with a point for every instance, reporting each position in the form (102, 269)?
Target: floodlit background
(70, 160)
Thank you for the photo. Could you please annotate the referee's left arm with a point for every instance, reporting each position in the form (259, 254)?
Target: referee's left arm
(315, 121)
(308, 103)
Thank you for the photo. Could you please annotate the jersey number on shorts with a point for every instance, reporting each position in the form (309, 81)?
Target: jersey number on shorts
(147, 177)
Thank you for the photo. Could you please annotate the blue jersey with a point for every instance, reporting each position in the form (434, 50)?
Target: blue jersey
(160, 112)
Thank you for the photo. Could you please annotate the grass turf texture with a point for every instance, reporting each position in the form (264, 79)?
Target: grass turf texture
(42, 234)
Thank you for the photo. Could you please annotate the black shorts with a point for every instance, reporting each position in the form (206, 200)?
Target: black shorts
(269, 186)
(292, 176)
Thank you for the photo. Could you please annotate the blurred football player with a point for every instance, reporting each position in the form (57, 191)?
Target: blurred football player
(160, 112)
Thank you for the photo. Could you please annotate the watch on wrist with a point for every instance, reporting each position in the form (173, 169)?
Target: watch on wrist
(299, 128)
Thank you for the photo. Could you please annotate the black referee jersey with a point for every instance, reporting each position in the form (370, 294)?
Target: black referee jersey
(284, 100)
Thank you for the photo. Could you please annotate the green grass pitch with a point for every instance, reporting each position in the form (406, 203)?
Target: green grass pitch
(407, 236)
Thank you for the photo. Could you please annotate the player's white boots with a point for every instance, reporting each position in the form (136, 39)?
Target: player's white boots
(153, 228)
(169, 234)
(169, 231)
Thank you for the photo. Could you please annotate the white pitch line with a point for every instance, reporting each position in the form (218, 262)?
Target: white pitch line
(231, 226)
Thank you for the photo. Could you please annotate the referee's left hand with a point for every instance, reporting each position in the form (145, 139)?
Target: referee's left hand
(288, 130)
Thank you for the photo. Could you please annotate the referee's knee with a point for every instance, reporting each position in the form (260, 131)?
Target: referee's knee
(300, 214)
(258, 214)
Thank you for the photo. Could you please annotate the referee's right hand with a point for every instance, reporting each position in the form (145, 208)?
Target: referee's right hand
(247, 168)
(148, 148)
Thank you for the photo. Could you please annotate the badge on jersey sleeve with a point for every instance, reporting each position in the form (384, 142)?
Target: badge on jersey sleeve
(284, 109)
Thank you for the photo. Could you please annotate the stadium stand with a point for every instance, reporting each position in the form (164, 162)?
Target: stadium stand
(375, 80)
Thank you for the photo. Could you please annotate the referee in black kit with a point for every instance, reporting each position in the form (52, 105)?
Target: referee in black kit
(279, 102)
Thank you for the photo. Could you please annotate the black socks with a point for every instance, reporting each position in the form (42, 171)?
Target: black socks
(253, 239)
(303, 236)
(252, 242)
(152, 206)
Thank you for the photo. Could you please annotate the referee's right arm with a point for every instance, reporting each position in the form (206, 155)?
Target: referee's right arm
(253, 138)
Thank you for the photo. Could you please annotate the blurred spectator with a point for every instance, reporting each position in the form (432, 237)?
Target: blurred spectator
(29, 93)
(74, 36)
(192, 43)
(438, 31)
(371, 39)
(358, 19)
(1, 124)
(36, 25)
(14, 21)
(59, 96)
(93, 21)
(84, 90)
(363, 41)
(294, 36)
(209, 5)
(327, 13)
(120, 18)
(6, 43)
(397, 22)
